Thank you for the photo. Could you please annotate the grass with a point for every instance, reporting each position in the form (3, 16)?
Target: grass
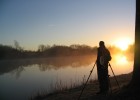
(63, 91)
(59, 87)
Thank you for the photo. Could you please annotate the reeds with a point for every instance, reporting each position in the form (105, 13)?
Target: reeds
(59, 87)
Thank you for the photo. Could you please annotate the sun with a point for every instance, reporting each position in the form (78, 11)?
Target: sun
(123, 43)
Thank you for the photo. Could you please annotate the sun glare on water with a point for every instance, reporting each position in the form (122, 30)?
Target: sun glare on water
(121, 59)
(123, 43)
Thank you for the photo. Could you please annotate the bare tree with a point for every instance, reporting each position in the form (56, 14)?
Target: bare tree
(42, 48)
(17, 46)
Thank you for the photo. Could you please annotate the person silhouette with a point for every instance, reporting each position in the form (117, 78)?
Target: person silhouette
(103, 58)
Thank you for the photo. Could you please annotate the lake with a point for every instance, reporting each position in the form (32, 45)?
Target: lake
(21, 79)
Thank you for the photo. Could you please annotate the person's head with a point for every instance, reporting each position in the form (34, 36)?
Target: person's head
(101, 44)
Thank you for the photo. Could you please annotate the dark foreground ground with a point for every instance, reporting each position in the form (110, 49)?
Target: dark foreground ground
(92, 88)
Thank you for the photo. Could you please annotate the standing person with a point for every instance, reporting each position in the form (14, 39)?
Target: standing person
(103, 58)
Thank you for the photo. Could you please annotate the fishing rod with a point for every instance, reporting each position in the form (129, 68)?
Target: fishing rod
(86, 81)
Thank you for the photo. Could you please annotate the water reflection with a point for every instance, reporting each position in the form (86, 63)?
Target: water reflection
(31, 75)
(17, 71)
(122, 63)
(17, 66)
(121, 59)
(45, 63)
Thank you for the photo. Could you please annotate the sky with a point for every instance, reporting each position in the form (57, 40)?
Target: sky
(65, 22)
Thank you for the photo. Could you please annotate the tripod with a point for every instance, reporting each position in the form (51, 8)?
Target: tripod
(86, 81)
(114, 76)
(90, 75)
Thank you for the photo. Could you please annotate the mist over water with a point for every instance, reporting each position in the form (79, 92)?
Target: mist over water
(20, 79)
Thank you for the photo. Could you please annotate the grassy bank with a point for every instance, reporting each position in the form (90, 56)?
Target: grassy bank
(89, 93)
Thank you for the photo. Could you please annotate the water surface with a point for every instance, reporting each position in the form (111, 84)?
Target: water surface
(20, 79)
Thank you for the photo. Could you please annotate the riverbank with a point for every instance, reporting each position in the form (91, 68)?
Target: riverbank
(89, 92)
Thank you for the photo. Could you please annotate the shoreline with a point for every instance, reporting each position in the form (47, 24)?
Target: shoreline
(89, 92)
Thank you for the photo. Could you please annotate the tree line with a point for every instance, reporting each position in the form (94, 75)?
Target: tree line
(16, 51)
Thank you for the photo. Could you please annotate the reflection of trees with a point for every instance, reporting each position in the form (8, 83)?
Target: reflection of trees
(62, 62)
(44, 67)
(45, 63)
(56, 62)
(18, 71)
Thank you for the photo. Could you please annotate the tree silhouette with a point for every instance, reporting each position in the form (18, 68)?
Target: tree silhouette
(17, 46)
(41, 48)
(136, 71)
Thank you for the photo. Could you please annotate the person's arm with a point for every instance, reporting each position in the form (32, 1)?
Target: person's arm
(98, 55)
